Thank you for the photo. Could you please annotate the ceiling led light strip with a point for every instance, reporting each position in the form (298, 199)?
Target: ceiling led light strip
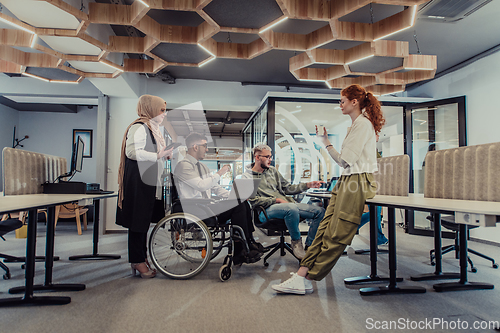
(272, 25)
(213, 55)
(145, 4)
(15, 25)
(352, 62)
(112, 66)
(312, 80)
(62, 81)
(33, 40)
(36, 77)
(411, 25)
(206, 62)
(51, 81)
(418, 69)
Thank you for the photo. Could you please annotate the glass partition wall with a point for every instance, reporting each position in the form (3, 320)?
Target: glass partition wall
(299, 155)
(435, 125)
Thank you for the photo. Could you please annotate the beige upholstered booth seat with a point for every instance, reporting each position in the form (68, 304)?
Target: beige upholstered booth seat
(465, 173)
(24, 172)
(393, 175)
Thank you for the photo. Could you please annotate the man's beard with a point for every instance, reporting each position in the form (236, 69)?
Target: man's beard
(263, 166)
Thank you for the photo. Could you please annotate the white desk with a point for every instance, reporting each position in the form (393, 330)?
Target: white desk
(31, 203)
(436, 206)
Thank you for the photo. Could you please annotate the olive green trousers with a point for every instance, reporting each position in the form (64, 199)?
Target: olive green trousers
(338, 227)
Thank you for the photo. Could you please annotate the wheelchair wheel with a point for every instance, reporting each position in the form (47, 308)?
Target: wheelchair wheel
(225, 273)
(179, 244)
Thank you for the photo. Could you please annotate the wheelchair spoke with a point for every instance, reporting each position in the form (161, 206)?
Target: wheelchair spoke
(179, 245)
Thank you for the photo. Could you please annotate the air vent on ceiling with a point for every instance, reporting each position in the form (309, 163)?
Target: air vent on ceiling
(450, 10)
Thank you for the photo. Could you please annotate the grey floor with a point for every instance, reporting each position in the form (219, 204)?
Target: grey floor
(114, 301)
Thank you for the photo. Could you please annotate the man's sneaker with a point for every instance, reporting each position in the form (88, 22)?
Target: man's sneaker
(308, 286)
(384, 246)
(294, 285)
(298, 249)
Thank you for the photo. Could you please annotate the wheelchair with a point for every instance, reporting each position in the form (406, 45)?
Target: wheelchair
(182, 243)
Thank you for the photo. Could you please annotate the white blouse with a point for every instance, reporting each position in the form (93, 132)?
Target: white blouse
(359, 149)
(134, 149)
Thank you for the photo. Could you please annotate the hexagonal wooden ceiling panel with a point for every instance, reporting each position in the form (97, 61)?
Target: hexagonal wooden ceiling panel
(337, 42)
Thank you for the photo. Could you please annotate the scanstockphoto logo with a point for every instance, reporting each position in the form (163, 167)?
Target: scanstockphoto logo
(438, 324)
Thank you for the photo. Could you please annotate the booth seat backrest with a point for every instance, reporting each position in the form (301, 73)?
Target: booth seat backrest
(393, 175)
(465, 173)
(23, 172)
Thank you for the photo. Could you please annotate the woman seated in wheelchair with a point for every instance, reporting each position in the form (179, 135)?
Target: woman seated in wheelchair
(193, 180)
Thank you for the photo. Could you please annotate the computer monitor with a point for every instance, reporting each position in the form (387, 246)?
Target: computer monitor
(76, 159)
(77, 156)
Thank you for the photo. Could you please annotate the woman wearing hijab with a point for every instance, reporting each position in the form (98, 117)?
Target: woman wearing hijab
(141, 163)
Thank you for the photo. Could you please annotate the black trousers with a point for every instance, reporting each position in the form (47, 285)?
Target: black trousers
(240, 215)
(137, 246)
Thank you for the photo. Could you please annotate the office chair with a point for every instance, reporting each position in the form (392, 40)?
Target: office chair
(6, 226)
(449, 223)
(277, 225)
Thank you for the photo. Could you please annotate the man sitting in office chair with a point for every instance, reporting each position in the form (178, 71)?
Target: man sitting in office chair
(194, 181)
(272, 195)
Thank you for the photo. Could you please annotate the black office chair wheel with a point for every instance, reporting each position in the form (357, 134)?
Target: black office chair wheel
(6, 276)
(473, 269)
(495, 266)
(433, 263)
(225, 272)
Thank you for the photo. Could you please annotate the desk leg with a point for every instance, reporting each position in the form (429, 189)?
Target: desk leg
(438, 273)
(373, 277)
(49, 263)
(370, 250)
(94, 254)
(462, 284)
(392, 288)
(28, 298)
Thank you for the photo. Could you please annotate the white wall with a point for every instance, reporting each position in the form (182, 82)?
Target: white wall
(480, 84)
(52, 133)
(9, 118)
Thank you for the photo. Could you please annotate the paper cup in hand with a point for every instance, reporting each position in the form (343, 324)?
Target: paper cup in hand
(321, 130)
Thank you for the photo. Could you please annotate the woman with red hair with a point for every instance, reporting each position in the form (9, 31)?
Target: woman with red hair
(358, 158)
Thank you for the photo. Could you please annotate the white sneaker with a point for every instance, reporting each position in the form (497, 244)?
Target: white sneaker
(308, 286)
(294, 285)
(298, 249)
(384, 246)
